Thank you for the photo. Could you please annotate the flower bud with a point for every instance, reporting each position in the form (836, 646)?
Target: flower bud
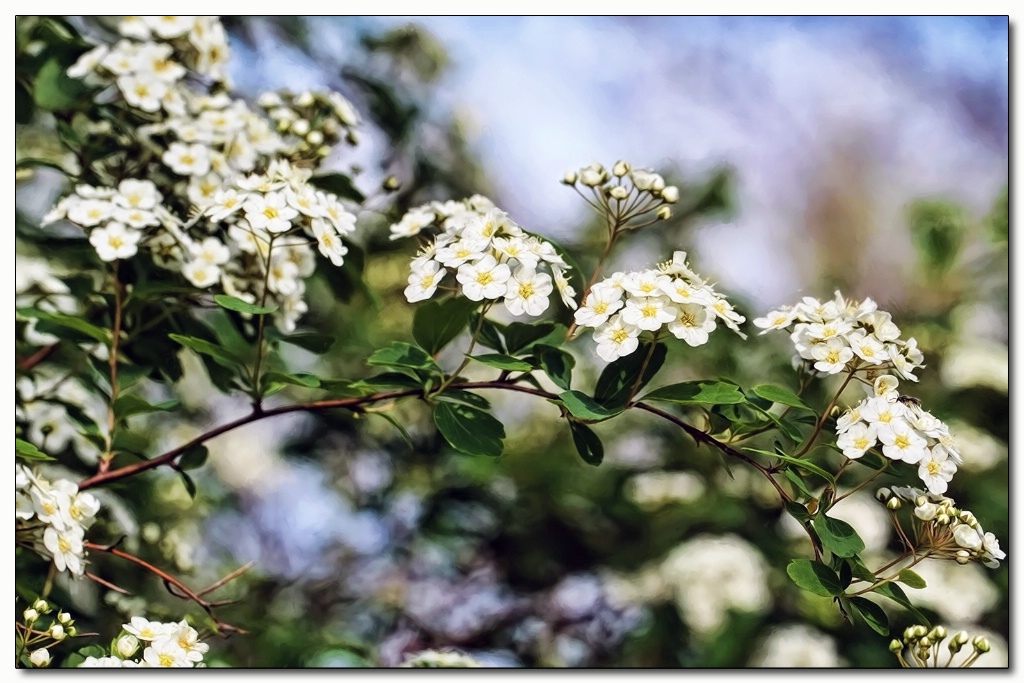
(896, 646)
(664, 213)
(41, 606)
(920, 631)
(883, 494)
(351, 138)
(955, 645)
(593, 175)
(909, 634)
(324, 151)
(894, 504)
(64, 618)
(300, 127)
(72, 631)
(620, 169)
(40, 657)
(670, 194)
(926, 512)
(126, 646)
(943, 520)
(981, 644)
(618, 192)
(268, 100)
(315, 137)
(937, 633)
(963, 557)
(391, 184)
(30, 615)
(925, 642)
(304, 100)
(57, 632)
(569, 178)
(966, 537)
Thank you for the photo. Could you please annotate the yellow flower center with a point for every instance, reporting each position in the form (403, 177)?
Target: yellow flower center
(885, 417)
(688, 319)
(64, 546)
(649, 311)
(833, 356)
(902, 441)
(933, 468)
(116, 242)
(647, 287)
(860, 444)
(427, 281)
(485, 278)
(525, 290)
(619, 336)
(270, 212)
(600, 307)
(781, 320)
(166, 661)
(188, 160)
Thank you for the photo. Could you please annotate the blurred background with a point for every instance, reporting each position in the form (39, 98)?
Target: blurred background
(863, 154)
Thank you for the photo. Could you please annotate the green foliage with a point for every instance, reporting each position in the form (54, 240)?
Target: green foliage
(588, 444)
(622, 379)
(838, 536)
(815, 577)
(436, 323)
(469, 430)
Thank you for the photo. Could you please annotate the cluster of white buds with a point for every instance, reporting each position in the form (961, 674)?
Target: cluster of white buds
(905, 431)
(490, 256)
(43, 403)
(625, 305)
(53, 516)
(312, 121)
(439, 659)
(923, 647)
(39, 629)
(149, 64)
(626, 192)
(162, 645)
(943, 528)
(843, 334)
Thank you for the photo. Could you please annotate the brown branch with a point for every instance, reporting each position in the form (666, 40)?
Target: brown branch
(38, 357)
(169, 581)
(107, 584)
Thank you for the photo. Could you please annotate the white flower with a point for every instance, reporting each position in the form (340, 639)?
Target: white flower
(135, 218)
(283, 276)
(211, 251)
(848, 419)
(329, 242)
(643, 283)
(692, 324)
(926, 511)
(616, 339)
(153, 61)
(990, 544)
(885, 385)
(682, 292)
(187, 159)
(66, 547)
(565, 291)
(40, 657)
(832, 356)
(646, 180)
(225, 203)
(344, 222)
(484, 279)
(901, 442)
(187, 638)
(857, 439)
(269, 212)
(423, 281)
(126, 646)
(936, 469)
(412, 223)
(144, 92)
(170, 27)
(88, 62)
(593, 175)
(776, 320)
(90, 212)
(305, 200)
(601, 303)
(724, 310)
(102, 662)
(114, 241)
(882, 409)
(83, 508)
(144, 629)
(967, 537)
(649, 313)
(165, 653)
(527, 292)
(201, 273)
(462, 251)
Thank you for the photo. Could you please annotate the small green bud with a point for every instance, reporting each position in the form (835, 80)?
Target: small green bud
(894, 504)
(896, 646)
(664, 213)
(30, 615)
(981, 644)
(391, 184)
(618, 192)
(937, 633)
(620, 169)
(883, 494)
(41, 606)
(569, 178)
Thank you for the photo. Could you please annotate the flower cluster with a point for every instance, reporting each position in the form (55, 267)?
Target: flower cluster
(905, 431)
(150, 62)
(44, 406)
(490, 256)
(945, 529)
(845, 335)
(923, 647)
(33, 632)
(623, 306)
(55, 516)
(626, 192)
(313, 122)
(163, 645)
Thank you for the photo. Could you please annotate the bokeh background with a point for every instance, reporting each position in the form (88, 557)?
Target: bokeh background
(864, 154)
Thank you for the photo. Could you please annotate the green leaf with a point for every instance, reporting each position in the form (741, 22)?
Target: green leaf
(798, 511)
(339, 184)
(67, 321)
(190, 486)
(860, 570)
(53, 90)
(799, 462)
(397, 425)
(219, 354)
(315, 343)
(233, 303)
(127, 405)
(616, 382)
(463, 396)
(132, 442)
(785, 426)
(386, 380)
(872, 615)
(556, 363)
(402, 355)
(490, 333)
(777, 394)
(698, 393)
(301, 379)
(468, 429)
(797, 481)
(588, 444)
(585, 408)
(521, 337)
(896, 594)
(194, 458)
(28, 451)
(837, 536)
(503, 362)
(912, 579)
(814, 577)
(435, 323)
